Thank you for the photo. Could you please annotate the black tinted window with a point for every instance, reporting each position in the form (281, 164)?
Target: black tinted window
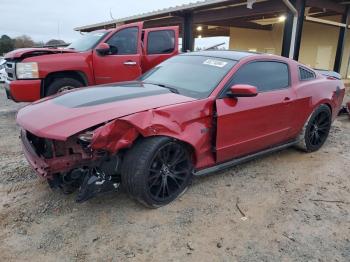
(305, 74)
(124, 42)
(161, 42)
(266, 76)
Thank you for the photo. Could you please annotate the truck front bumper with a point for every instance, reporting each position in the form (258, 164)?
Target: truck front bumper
(23, 90)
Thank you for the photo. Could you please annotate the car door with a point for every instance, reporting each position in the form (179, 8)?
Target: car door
(159, 44)
(123, 62)
(249, 124)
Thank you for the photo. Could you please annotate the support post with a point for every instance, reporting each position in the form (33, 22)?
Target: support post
(187, 35)
(341, 40)
(300, 6)
(290, 30)
(287, 34)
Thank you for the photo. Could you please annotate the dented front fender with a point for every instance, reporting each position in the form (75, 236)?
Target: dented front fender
(114, 136)
(189, 123)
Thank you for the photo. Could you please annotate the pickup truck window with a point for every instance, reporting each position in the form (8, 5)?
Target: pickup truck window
(124, 42)
(161, 42)
(193, 76)
(87, 42)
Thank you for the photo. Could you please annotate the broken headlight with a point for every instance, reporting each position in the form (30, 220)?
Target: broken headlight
(85, 138)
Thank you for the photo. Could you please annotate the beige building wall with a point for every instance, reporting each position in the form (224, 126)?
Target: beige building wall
(318, 45)
(345, 68)
(257, 40)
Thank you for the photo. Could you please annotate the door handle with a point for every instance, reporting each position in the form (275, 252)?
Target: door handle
(130, 63)
(287, 100)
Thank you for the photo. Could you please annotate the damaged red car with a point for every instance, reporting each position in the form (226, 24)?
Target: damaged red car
(192, 115)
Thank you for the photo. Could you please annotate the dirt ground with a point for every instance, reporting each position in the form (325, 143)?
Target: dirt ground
(283, 197)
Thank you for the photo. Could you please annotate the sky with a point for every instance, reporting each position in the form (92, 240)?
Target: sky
(55, 19)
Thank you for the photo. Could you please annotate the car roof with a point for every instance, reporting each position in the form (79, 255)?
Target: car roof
(225, 54)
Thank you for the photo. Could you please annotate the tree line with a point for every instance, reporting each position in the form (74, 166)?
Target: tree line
(8, 44)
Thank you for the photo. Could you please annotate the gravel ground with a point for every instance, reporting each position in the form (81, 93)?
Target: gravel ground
(295, 207)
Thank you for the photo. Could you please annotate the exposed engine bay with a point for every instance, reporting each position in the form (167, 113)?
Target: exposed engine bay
(91, 173)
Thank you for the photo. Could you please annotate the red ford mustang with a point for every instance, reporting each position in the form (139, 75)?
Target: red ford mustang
(194, 114)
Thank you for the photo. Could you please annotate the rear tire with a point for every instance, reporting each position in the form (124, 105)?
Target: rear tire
(316, 130)
(156, 171)
(62, 84)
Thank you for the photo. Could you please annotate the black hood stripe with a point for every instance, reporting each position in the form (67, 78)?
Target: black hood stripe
(122, 97)
(93, 96)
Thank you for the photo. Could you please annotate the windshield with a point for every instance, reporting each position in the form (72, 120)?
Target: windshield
(190, 75)
(87, 42)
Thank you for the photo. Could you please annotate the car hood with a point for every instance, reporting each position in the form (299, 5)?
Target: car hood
(28, 52)
(64, 115)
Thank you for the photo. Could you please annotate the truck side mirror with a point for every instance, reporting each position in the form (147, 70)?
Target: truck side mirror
(242, 91)
(103, 49)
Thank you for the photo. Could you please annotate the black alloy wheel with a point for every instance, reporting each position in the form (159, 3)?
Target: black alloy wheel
(319, 129)
(316, 130)
(157, 170)
(168, 172)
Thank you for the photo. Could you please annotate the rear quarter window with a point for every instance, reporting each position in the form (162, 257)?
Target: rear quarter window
(306, 74)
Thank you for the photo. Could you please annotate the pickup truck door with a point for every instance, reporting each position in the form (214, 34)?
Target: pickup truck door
(159, 44)
(123, 62)
(247, 125)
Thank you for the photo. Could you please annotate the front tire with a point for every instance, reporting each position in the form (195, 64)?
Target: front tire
(316, 130)
(62, 84)
(156, 171)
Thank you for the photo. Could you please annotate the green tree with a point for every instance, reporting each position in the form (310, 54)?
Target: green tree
(23, 41)
(6, 44)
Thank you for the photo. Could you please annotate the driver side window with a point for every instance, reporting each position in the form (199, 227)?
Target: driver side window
(124, 42)
(265, 75)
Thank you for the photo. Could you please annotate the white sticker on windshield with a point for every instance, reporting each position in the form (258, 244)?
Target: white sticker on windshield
(213, 62)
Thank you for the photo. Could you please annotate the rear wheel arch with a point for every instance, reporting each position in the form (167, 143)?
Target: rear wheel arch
(326, 101)
(329, 106)
(303, 138)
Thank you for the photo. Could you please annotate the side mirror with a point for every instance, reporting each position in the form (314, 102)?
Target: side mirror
(103, 48)
(243, 91)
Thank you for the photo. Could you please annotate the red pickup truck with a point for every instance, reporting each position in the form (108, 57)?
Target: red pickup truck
(99, 57)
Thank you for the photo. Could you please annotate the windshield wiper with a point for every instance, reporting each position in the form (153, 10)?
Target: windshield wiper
(172, 89)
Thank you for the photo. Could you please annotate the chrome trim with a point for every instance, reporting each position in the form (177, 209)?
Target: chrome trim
(10, 68)
(130, 63)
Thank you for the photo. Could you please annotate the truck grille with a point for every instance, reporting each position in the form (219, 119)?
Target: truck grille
(10, 68)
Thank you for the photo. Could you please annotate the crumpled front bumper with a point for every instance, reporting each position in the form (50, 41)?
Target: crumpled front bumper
(37, 163)
(47, 168)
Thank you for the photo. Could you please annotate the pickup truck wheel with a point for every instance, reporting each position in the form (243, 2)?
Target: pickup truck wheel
(316, 129)
(61, 85)
(156, 171)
